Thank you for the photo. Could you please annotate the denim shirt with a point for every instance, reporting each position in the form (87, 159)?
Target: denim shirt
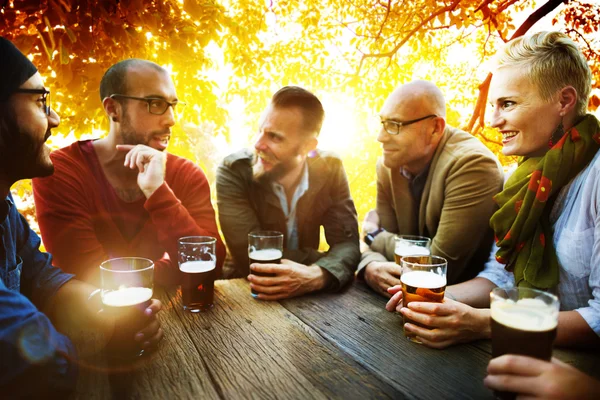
(34, 357)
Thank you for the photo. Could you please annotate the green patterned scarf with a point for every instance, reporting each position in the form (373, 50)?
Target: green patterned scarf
(522, 224)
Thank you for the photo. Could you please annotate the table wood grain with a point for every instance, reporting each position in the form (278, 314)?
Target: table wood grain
(320, 346)
(356, 321)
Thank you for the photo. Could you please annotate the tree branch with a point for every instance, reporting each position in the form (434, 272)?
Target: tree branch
(479, 111)
(536, 16)
(390, 53)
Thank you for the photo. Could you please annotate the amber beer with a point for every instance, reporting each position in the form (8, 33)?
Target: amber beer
(265, 256)
(197, 285)
(409, 245)
(409, 250)
(126, 306)
(525, 324)
(421, 286)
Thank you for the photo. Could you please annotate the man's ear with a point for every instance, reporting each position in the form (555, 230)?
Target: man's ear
(440, 125)
(311, 144)
(112, 109)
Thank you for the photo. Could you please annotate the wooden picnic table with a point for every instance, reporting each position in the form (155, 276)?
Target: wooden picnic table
(343, 345)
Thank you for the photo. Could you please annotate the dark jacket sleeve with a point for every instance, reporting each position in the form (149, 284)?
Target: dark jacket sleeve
(236, 215)
(341, 231)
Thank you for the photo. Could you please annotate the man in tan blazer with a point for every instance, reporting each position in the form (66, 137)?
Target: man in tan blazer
(433, 180)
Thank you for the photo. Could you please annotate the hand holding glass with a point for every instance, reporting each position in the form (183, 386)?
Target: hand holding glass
(423, 279)
(126, 291)
(524, 322)
(264, 247)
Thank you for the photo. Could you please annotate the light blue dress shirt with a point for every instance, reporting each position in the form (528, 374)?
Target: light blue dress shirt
(290, 213)
(575, 219)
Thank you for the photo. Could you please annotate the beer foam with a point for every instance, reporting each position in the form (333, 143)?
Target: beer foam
(266, 254)
(409, 249)
(126, 296)
(196, 267)
(526, 314)
(423, 279)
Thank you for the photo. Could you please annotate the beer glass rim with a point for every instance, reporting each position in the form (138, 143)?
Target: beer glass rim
(102, 265)
(197, 240)
(405, 259)
(265, 234)
(497, 293)
(414, 238)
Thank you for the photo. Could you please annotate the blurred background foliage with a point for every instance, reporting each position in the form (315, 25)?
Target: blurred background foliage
(227, 57)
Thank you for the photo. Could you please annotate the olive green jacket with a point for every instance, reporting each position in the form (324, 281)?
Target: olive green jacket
(454, 210)
(246, 205)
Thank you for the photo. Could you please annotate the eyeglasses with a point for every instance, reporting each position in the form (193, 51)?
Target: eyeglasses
(156, 105)
(45, 97)
(393, 127)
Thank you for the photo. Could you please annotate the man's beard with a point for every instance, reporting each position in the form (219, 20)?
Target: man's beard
(258, 170)
(132, 137)
(22, 157)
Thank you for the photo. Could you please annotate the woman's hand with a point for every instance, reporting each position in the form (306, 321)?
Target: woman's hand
(446, 323)
(395, 302)
(536, 379)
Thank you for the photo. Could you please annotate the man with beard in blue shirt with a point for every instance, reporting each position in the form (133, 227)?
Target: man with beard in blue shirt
(45, 314)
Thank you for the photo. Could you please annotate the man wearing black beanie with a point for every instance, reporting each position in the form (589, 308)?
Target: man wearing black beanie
(39, 347)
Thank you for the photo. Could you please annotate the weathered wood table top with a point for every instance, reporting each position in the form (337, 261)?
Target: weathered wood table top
(320, 346)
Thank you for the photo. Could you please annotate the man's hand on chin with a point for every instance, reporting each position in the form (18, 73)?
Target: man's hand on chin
(151, 165)
(290, 279)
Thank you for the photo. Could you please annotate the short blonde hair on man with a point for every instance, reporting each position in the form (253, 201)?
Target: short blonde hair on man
(552, 61)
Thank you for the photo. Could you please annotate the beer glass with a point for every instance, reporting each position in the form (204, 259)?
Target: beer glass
(126, 290)
(197, 263)
(423, 279)
(409, 245)
(265, 247)
(523, 322)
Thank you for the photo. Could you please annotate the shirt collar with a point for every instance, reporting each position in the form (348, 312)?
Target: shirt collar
(418, 176)
(302, 185)
(5, 207)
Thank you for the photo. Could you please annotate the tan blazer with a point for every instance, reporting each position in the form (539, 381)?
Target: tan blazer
(455, 207)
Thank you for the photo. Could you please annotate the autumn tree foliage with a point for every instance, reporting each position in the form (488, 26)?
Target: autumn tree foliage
(227, 58)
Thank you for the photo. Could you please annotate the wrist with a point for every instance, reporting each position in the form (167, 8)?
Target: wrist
(322, 278)
(484, 325)
(369, 237)
(149, 190)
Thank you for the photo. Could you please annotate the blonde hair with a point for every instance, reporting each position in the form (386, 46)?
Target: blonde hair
(552, 61)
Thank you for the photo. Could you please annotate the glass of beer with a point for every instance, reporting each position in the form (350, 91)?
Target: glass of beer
(265, 247)
(423, 279)
(523, 322)
(409, 245)
(197, 263)
(126, 290)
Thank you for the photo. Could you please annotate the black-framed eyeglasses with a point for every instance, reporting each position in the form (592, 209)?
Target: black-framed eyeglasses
(156, 105)
(45, 97)
(393, 127)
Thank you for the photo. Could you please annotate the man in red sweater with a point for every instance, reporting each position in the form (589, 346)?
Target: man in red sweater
(124, 195)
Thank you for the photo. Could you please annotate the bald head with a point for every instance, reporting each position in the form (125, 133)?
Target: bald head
(419, 98)
(413, 123)
(115, 79)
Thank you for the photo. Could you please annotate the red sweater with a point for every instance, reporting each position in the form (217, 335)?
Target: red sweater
(81, 217)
